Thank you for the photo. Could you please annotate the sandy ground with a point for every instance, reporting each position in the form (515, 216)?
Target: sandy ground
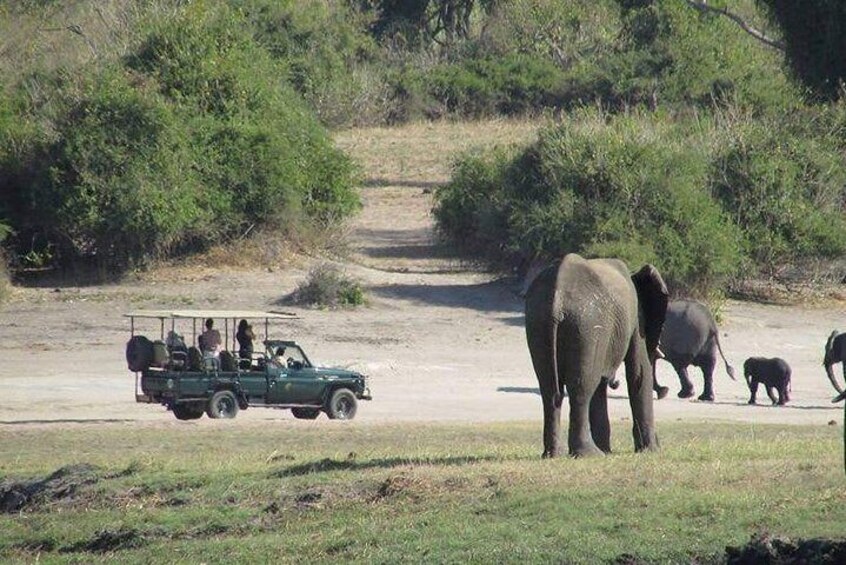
(441, 341)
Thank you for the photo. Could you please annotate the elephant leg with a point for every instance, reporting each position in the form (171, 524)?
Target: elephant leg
(782, 395)
(579, 438)
(708, 376)
(686, 386)
(753, 388)
(660, 391)
(551, 427)
(639, 384)
(771, 393)
(600, 426)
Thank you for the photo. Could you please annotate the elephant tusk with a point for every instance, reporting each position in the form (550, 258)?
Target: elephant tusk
(659, 354)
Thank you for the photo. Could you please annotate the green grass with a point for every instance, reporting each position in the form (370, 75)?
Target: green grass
(423, 493)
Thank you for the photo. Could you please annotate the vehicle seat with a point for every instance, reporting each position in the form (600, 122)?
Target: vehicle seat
(227, 361)
(195, 359)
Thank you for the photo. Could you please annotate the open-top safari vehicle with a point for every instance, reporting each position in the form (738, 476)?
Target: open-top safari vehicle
(191, 383)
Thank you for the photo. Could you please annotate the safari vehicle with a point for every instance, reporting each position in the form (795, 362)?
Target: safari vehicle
(170, 373)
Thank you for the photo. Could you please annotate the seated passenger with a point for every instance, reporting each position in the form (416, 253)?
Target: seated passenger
(175, 342)
(279, 356)
(209, 341)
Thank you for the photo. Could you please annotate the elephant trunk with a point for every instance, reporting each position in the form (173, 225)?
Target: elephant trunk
(829, 370)
(830, 359)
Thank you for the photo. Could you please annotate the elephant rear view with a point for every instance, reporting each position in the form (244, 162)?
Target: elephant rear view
(583, 319)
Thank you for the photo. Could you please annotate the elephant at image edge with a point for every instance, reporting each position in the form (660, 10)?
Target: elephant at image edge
(840, 398)
(583, 319)
(835, 352)
(690, 337)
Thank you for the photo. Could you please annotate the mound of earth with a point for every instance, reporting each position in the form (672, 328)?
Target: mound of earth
(60, 485)
(775, 550)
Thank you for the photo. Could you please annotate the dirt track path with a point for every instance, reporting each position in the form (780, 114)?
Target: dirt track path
(440, 340)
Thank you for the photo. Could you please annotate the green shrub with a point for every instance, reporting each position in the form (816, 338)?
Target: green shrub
(701, 199)
(328, 287)
(510, 85)
(783, 182)
(328, 54)
(187, 141)
(633, 189)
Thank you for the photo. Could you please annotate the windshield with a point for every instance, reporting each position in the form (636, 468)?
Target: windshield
(290, 356)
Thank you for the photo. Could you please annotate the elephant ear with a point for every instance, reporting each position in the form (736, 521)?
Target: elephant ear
(653, 298)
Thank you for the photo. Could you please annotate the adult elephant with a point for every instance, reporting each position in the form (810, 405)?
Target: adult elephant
(690, 337)
(583, 319)
(835, 352)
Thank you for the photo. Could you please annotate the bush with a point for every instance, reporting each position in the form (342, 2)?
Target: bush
(328, 287)
(700, 199)
(187, 141)
(783, 183)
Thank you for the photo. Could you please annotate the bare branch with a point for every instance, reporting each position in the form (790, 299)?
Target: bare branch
(703, 6)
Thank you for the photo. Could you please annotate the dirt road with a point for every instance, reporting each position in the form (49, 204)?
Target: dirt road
(440, 340)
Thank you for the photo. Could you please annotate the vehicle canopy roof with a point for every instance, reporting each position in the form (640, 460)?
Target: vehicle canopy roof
(195, 314)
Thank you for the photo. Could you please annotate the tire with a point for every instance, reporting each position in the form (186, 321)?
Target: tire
(186, 411)
(305, 413)
(139, 353)
(222, 404)
(342, 405)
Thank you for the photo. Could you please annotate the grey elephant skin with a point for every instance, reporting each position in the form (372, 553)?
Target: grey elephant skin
(583, 319)
(835, 352)
(690, 337)
(774, 373)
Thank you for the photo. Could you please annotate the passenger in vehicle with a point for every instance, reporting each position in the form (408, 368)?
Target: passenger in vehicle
(209, 340)
(279, 356)
(245, 338)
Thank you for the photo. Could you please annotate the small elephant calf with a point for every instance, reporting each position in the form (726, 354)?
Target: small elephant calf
(772, 373)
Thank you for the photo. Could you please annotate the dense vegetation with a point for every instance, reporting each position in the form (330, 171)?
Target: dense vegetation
(131, 130)
(704, 160)
(182, 134)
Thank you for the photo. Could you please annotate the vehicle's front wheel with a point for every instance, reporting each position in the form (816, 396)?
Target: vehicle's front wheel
(305, 413)
(222, 404)
(342, 405)
(186, 411)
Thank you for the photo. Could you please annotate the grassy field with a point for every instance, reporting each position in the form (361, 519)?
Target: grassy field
(425, 493)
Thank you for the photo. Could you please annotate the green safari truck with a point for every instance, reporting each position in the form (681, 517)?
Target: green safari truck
(191, 383)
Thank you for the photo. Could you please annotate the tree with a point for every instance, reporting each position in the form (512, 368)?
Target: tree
(814, 34)
(441, 21)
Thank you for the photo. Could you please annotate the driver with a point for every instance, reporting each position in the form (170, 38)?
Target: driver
(279, 356)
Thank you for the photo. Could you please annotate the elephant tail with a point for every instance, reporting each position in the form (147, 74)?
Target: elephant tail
(729, 368)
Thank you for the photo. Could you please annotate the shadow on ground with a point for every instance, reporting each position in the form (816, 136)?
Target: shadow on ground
(351, 464)
(493, 296)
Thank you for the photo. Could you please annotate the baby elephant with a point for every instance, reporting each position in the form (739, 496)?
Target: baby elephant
(772, 373)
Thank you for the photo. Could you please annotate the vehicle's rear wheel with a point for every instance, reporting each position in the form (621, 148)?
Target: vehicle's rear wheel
(222, 404)
(305, 413)
(342, 405)
(188, 411)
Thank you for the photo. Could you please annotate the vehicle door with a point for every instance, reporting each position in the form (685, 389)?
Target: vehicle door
(298, 381)
(255, 383)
